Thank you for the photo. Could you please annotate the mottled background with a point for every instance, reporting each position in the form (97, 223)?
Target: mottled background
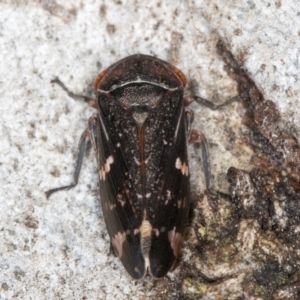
(58, 248)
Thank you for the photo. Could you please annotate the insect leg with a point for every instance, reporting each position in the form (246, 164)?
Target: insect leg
(189, 114)
(88, 136)
(199, 138)
(210, 104)
(91, 101)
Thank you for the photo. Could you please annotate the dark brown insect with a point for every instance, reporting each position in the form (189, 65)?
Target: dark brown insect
(140, 136)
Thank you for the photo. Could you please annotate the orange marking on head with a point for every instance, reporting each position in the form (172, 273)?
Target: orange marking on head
(99, 78)
(180, 75)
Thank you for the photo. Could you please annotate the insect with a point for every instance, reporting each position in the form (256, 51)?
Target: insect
(139, 137)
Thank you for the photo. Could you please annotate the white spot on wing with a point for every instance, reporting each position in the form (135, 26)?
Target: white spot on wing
(182, 166)
(178, 163)
(102, 174)
(136, 161)
(179, 203)
(168, 196)
(106, 168)
(117, 242)
(156, 231)
(176, 240)
(147, 160)
(112, 206)
(120, 199)
(109, 161)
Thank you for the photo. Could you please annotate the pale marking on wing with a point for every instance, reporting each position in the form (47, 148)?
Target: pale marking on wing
(117, 241)
(169, 195)
(156, 231)
(175, 239)
(106, 168)
(120, 199)
(136, 161)
(182, 166)
(112, 206)
(147, 160)
(179, 203)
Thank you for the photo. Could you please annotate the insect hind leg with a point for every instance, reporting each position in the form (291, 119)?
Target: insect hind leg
(91, 101)
(209, 104)
(87, 137)
(198, 138)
